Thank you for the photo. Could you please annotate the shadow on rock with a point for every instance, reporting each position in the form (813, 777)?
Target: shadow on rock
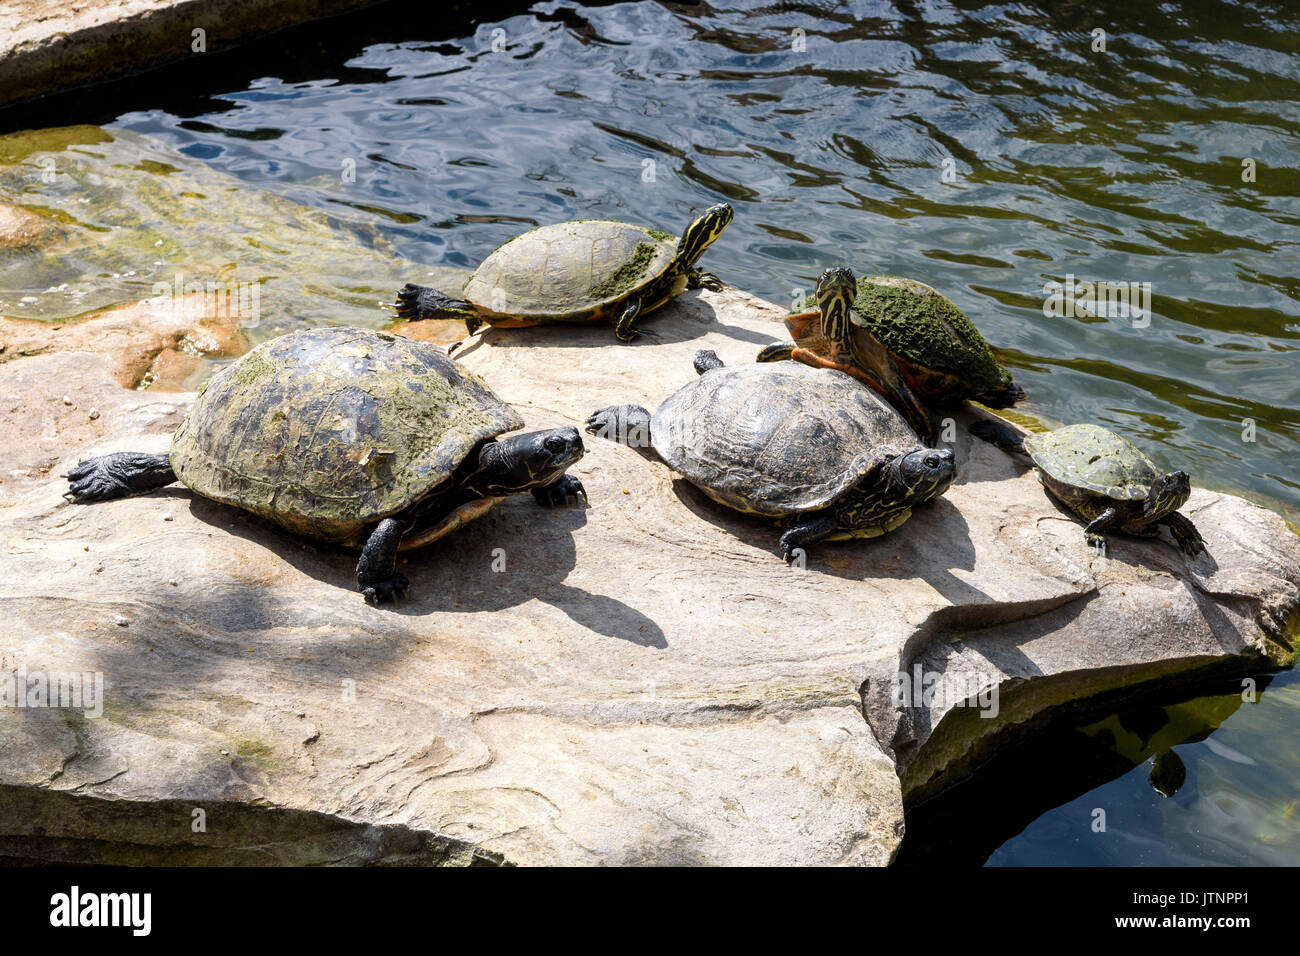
(935, 540)
(692, 317)
(516, 553)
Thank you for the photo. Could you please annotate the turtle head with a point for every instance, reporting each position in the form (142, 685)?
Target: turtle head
(922, 475)
(1168, 493)
(836, 290)
(519, 463)
(700, 234)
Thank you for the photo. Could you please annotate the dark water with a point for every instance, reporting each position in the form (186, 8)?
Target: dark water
(1084, 793)
(830, 128)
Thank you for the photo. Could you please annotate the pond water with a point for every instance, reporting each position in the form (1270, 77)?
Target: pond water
(986, 149)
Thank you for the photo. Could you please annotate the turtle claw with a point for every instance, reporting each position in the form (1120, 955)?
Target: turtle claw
(633, 334)
(705, 280)
(558, 494)
(390, 589)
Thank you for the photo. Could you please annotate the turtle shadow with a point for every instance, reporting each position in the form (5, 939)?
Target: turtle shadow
(933, 542)
(688, 317)
(518, 552)
(1158, 552)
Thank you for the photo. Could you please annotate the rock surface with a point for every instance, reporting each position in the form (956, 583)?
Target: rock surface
(641, 681)
(51, 46)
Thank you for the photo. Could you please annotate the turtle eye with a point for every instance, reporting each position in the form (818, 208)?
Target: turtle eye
(931, 461)
(554, 444)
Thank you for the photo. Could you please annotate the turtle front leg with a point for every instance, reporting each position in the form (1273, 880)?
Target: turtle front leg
(377, 576)
(697, 279)
(560, 492)
(808, 531)
(623, 324)
(626, 424)
(120, 475)
(1095, 533)
(416, 302)
(780, 352)
(1185, 534)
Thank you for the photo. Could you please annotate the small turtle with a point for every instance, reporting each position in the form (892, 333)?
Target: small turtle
(903, 339)
(350, 436)
(809, 448)
(1168, 773)
(1104, 479)
(589, 270)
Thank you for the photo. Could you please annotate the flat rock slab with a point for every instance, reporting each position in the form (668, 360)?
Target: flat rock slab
(640, 681)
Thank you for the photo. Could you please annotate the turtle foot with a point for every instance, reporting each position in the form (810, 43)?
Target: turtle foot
(999, 434)
(626, 424)
(705, 280)
(388, 589)
(120, 475)
(631, 335)
(415, 302)
(706, 360)
(561, 493)
(1002, 397)
(795, 542)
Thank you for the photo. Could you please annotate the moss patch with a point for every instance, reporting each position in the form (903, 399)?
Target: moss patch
(626, 276)
(921, 325)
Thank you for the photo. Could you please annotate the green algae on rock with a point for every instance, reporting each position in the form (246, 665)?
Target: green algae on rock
(137, 219)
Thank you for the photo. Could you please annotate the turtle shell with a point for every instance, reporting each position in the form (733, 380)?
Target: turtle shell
(570, 271)
(1093, 459)
(941, 353)
(777, 439)
(326, 431)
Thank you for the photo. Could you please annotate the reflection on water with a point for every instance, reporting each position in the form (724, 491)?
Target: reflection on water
(1209, 779)
(984, 149)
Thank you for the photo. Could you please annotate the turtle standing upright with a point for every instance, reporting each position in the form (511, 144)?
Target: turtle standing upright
(808, 448)
(903, 339)
(588, 270)
(349, 436)
(1104, 479)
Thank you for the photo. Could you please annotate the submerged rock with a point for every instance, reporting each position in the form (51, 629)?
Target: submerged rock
(18, 227)
(642, 681)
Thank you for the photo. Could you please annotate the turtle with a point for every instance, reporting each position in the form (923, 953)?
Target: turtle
(1168, 773)
(588, 270)
(808, 448)
(349, 436)
(903, 339)
(1104, 479)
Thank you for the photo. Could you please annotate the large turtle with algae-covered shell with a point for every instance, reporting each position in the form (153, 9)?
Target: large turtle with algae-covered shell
(589, 270)
(350, 436)
(903, 339)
